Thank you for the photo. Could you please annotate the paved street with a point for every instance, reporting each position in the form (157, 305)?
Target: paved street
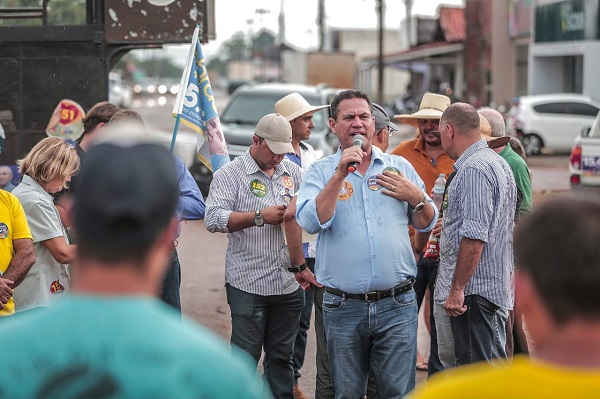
(202, 253)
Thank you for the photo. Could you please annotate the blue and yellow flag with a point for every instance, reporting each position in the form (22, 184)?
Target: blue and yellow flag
(196, 108)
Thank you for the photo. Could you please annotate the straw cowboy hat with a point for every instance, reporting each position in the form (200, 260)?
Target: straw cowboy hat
(432, 106)
(294, 105)
(486, 134)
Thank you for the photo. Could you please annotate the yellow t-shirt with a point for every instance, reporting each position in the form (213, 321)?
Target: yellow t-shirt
(13, 226)
(522, 378)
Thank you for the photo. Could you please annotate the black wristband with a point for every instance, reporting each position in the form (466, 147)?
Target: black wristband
(297, 269)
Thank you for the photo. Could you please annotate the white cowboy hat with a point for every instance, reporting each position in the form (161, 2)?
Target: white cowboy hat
(432, 106)
(294, 105)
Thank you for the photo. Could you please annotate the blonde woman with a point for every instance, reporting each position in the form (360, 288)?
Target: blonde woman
(46, 169)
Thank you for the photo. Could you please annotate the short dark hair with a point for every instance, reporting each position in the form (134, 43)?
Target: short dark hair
(558, 244)
(127, 115)
(463, 117)
(99, 113)
(347, 95)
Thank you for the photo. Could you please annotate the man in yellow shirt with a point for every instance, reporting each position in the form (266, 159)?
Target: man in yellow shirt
(16, 248)
(557, 284)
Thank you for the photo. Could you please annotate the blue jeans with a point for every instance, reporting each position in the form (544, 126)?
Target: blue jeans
(301, 337)
(172, 282)
(479, 333)
(427, 270)
(324, 385)
(379, 335)
(271, 322)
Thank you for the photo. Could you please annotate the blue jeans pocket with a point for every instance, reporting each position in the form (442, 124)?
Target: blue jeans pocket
(332, 302)
(405, 299)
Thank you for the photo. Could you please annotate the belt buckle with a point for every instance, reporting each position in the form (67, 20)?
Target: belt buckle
(371, 293)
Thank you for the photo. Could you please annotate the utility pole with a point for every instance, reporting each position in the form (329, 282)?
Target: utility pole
(380, 14)
(321, 24)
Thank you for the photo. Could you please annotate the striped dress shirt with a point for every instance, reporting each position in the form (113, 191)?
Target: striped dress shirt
(481, 206)
(257, 258)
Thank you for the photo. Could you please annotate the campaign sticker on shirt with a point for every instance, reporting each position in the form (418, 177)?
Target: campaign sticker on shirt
(56, 287)
(346, 191)
(258, 188)
(391, 169)
(372, 183)
(286, 197)
(288, 182)
(3, 230)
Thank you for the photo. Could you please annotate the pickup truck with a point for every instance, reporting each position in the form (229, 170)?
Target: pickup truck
(584, 163)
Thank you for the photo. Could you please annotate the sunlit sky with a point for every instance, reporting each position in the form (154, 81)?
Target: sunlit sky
(300, 18)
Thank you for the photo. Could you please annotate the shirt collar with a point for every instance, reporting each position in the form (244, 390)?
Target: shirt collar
(252, 167)
(376, 155)
(472, 149)
(35, 185)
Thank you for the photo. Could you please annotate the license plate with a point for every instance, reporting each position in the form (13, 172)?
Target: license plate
(591, 164)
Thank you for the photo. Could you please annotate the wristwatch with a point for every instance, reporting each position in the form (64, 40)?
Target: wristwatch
(419, 207)
(258, 219)
(297, 269)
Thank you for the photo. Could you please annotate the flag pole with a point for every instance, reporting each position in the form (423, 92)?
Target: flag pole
(175, 129)
(183, 85)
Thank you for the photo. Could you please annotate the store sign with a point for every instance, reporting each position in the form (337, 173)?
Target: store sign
(564, 21)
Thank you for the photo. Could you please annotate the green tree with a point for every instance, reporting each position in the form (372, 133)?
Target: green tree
(60, 12)
(236, 48)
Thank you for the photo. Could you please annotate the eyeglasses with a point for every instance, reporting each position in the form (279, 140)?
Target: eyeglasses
(426, 121)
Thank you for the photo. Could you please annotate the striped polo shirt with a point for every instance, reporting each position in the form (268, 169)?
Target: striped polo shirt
(257, 258)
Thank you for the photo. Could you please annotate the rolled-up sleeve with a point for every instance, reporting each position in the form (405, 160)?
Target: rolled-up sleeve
(313, 183)
(477, 206)
(220, 202)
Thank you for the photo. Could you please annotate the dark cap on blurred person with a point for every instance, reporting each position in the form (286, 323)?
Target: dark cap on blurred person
(126, 196)
(382, 119)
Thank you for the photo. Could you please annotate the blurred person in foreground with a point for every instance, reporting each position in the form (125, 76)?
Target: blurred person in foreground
(46, 169)
(129, 124)
(112, 339)
(474, 285)
(261, 276)
(299, 114)
(427, 155)
(557, 280)
(16, 248)
(364, 256)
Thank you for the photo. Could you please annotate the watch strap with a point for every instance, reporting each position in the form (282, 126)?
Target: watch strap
(297, 269)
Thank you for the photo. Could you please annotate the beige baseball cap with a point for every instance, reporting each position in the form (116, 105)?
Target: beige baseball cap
(277, 132)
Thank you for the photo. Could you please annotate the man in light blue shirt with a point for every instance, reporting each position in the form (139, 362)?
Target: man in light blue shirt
(364, 256)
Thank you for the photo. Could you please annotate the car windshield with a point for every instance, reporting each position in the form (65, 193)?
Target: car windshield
(247, 108)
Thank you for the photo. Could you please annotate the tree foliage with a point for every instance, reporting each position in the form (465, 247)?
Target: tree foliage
(60, 12)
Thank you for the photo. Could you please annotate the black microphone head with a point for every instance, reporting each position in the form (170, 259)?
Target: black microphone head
(358, 140)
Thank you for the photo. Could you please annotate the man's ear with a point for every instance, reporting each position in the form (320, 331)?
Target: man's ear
(332, 125)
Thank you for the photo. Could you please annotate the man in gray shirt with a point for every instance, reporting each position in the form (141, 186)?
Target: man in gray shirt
(247, 201)
(474, 284)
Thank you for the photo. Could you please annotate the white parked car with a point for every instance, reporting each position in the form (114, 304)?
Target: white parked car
(551, 121)
(584, 162)
(119, 92)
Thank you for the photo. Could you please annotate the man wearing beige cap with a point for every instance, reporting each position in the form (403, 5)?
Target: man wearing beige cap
(429, 159)
(246, 201)
(300, 113)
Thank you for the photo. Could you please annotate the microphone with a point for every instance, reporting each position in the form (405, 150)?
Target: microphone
(358, 141)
